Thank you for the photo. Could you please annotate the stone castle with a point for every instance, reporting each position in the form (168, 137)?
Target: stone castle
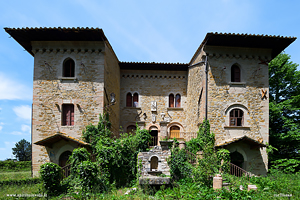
(77, 76)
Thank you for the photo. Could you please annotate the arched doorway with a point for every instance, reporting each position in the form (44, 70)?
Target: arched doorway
(237, 159)
(64, 157)
(154, 134)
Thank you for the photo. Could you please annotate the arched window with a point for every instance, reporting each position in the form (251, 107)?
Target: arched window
(174, 132)
(128, 100)
(154, 163)
(236, 117)
(131, 129)
(177, 100)
(69, 68)
(135, 100)
(171, 100)
(235, 74)
(68, 115)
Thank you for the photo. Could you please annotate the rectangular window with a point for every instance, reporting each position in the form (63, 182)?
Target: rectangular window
(68, 115)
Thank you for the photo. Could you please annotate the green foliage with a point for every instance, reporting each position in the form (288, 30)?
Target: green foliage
(223, 156)
(284, 107)
(85, 175)
(25, 181)
(15, 175)
(287, 165)
(116, 157)
(51, 176)
(204, 138)
(179, 166)
(10, 165)
(78, 156)
(22, 150)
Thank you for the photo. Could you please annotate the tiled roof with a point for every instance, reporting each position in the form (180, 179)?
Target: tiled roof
(244, 138)
(24, 36)
(276, 43)
(49, 141)
(154, 66)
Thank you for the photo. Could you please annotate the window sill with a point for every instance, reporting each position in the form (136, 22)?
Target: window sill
(237, 84)
(65, 126)
(237, 127)
(175, 109)
(134, 108)
(68, 78)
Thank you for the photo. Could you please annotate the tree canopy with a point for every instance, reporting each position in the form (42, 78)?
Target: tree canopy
(284, 81)
(22, 150)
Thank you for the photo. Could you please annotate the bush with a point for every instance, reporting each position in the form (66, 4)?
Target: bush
(27, 181)
(10, 165)
(51, 176)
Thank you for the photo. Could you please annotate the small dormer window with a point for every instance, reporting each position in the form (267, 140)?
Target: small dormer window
(235, 74)
(69, 68)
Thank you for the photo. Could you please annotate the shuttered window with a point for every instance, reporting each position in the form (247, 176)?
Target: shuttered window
(174, 132)
(68, 115)
(69, 68)
(235, 74)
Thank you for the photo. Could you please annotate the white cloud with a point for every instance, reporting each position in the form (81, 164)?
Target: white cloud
(23, 112)
(16, 133)
(11, 89)
(25, 128)
(6, 151)
(1, 127)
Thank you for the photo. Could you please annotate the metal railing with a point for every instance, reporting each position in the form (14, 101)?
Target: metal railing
(153, 141)
(66, 170)
(239, 172)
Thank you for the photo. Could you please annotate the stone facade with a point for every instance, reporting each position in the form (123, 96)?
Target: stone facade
(99, 76)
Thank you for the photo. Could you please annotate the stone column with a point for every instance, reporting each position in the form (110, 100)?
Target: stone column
(163, 129)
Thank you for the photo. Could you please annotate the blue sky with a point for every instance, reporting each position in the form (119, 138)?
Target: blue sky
(156, 30)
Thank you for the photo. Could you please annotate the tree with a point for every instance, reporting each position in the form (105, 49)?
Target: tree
(22, 150)
(284, 81)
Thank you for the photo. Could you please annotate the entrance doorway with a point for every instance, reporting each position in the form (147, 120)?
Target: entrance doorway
(237, 159)
(154, 134)
(64, 157)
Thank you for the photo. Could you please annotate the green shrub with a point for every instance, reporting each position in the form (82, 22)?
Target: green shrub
(51, 176)
(10, 165)
(179, 166)
(26, 181)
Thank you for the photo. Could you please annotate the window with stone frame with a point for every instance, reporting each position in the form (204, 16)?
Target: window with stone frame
(171, 100)
(128, 100)
(135, 100)
(132, 100)
(174, 101)
(68, 115)
(235, 74)
(69, 68)
(177, 100)
(236, 117)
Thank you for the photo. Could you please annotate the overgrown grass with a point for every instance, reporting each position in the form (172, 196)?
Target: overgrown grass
(15, 175)
(275, 186)
(7, 191)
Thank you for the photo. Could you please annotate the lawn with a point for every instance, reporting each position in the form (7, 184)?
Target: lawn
(15, 175)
